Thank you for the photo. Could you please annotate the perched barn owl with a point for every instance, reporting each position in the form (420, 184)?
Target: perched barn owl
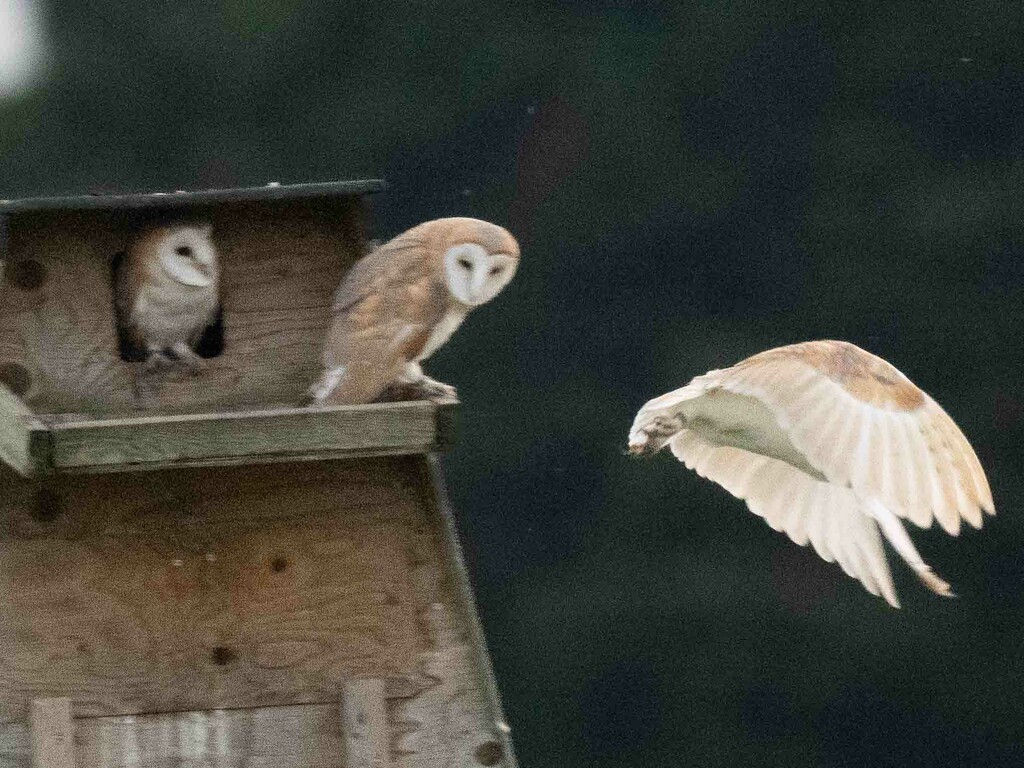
(167, 291)
(830, 444)
(403, 300)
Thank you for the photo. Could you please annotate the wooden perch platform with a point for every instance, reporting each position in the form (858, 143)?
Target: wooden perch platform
(36, 446)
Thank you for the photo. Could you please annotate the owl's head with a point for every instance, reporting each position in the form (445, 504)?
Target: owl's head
(479, 259)
(187, 255)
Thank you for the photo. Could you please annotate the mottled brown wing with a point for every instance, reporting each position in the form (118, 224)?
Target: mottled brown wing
(864, 425)
(384, 312)
(402, 261)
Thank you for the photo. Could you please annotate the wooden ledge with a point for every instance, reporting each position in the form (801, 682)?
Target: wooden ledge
(39, 445)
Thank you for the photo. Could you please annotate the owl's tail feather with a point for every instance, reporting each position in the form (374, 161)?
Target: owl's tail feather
(328, 382)
(896, 535)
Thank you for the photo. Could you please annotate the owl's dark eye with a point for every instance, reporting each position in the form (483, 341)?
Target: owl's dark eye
(495, 270)
(465, 263)
(183, 250)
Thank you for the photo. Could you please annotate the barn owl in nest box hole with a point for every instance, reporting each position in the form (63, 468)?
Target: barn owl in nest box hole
(168, 291)
(403, 300)
(829, 444)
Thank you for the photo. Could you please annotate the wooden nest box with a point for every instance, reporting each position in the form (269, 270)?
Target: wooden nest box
(194, 569)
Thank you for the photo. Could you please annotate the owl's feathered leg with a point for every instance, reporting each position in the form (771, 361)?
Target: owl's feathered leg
(155, 359)
(325, 385)
(185, 354)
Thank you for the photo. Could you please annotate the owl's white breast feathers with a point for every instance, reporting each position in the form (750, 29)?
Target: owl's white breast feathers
(166, 314)
(442, 331)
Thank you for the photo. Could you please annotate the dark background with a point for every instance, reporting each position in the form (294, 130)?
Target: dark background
(691, 182)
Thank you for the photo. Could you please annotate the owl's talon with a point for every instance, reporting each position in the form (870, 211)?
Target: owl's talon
(436, 391)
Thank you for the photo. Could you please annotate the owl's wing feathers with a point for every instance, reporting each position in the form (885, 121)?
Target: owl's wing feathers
(807, 510)
(130, 278)
(399, 262)
(384, 312)
(864, 425)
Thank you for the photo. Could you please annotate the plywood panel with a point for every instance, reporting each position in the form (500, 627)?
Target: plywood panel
(196, 589)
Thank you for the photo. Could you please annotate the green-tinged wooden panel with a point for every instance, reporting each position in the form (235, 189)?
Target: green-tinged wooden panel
(266, 737)
(22, 438)
(247, 437)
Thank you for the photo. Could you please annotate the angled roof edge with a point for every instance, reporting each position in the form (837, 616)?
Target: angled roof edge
(166, 200)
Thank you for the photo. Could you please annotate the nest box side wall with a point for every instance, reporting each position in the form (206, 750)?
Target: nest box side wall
(281, 599)
(281, 261)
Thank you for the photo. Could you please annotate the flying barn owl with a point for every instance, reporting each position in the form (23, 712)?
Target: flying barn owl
(167, 291)
(829, 444)
(402, 301)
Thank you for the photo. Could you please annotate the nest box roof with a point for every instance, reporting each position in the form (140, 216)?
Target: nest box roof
(168, 200)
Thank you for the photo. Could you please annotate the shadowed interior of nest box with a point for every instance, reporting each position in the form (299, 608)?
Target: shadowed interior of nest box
(60, 346)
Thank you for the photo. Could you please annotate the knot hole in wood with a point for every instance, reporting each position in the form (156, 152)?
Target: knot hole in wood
(25, 274)
(223, 655)
(48, 506)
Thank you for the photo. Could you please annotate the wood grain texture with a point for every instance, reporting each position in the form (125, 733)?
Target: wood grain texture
(268, 737)
(364, 721)
(53, 734)
(245, 437)
(281, 261)
(199, 589)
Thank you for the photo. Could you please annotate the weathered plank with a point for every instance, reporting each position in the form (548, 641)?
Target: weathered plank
(53, 734)
(199, 589)
(22, 439)
(245, 437)
(364, 718)
(494, 744)
(456, 719)
(267, 737)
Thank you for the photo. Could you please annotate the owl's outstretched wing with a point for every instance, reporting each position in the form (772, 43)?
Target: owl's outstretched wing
(851, 418)
(862, 423)
(805, 509)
